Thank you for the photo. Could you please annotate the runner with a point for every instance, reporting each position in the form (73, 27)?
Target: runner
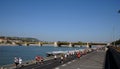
(16, 61)
(20, 61)
(55, 57)
(61, 59)
(78, 54)
(39, 59)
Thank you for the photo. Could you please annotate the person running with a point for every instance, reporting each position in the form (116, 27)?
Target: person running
(39, 59)
(65, 56)
(61, 59)
(20, 61)
(16, 61)
(55, 57)
(78, 54)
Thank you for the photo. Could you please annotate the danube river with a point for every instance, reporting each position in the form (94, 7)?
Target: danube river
(7, 53)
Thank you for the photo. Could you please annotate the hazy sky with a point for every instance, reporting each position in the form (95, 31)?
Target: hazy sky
(64, 20)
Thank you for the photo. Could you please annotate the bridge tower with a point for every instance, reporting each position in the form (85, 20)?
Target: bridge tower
(40, 44)
(26, 44)
(87, 45)
(55, 44)
(70, 44)
(13, 43)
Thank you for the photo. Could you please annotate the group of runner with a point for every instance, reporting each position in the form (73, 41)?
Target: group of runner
(74, 55)
(39, 60)
(18, 61)
(62, 57)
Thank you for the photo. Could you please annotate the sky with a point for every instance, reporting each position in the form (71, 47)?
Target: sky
(61, 20)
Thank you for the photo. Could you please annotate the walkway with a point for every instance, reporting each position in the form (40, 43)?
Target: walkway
(94, 60)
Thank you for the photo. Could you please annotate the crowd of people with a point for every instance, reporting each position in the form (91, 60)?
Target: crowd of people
(74, 55)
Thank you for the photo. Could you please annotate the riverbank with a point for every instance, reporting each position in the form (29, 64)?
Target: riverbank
(8, 45)
(25, 45)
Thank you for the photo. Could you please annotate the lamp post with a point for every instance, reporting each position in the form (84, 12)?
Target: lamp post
(114, 35)
(114, 30)
(118, 11)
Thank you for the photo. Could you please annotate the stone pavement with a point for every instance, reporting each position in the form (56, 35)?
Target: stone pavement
(93, 60)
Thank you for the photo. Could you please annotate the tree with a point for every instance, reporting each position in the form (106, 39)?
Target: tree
(117, 42)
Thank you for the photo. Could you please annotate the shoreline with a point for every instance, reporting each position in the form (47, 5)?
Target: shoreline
(7, 45)
(25, 45)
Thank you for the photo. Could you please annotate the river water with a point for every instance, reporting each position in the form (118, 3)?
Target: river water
(7, 53)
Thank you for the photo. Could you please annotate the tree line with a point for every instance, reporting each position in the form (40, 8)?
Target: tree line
(23, 39)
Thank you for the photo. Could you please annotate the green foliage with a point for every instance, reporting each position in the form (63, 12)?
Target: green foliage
(23, 39)
(117, 42)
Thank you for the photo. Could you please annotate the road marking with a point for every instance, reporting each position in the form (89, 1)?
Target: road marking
(68, 62)
(78, 68)
(57, 68)
(73, 60)
(44, 65)
(91, 66)
(64, 65)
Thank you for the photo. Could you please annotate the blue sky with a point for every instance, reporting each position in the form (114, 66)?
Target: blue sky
(64, 20)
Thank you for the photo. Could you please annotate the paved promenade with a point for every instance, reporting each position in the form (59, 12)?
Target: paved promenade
(94, 60)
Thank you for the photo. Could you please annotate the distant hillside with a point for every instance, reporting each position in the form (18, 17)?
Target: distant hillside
(24, 39)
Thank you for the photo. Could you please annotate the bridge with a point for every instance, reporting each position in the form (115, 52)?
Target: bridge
(60, 43)
(72, 44)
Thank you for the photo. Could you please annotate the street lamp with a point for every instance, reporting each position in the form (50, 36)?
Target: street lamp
(114, 35)
(114, 30)
(118, 11)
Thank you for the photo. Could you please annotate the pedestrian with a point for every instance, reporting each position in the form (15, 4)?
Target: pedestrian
(65, 56)
(20, 61)
(16, 61)
(61, 59)
(78, 54)
(55, 57)
(39, 59)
